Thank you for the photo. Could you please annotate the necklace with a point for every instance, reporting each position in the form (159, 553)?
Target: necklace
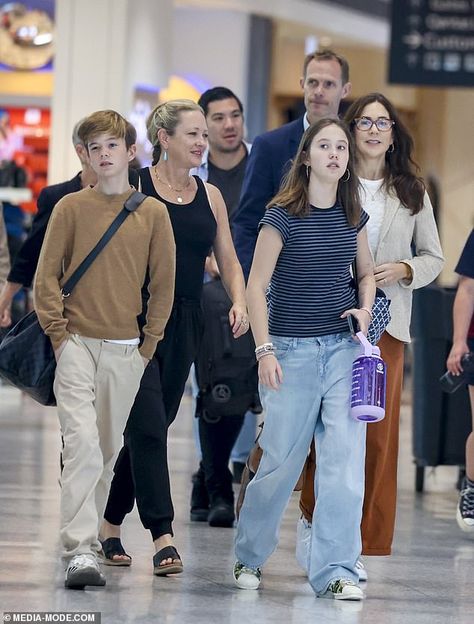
(373, 195)
(179, 199)
(369, 192)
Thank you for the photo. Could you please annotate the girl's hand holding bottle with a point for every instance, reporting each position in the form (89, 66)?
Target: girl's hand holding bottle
(362, 316)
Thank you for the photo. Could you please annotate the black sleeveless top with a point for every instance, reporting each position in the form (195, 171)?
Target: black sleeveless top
(194, 228)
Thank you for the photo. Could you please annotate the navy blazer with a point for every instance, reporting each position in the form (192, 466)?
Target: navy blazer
(26, 260)
(267, 162)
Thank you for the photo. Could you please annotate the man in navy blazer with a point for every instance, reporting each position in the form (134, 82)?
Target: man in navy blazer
(325, 82)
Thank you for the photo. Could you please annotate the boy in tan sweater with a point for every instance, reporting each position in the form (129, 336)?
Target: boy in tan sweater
(94, 331)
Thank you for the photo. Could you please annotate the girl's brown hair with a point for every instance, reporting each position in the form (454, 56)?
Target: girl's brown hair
(400, 173)
(293, 194)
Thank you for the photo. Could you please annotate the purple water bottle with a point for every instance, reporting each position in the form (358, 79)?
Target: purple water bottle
(368, 384)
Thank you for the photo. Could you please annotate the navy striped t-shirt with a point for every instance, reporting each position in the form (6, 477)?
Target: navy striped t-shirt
(311, 285)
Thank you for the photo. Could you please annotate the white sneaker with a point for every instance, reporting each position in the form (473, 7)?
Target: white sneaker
(343, 589)
(83, 570)
(361, 571)
(303, 543)
(245, 577)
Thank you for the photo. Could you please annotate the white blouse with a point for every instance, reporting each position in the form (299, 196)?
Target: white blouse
(373, 200)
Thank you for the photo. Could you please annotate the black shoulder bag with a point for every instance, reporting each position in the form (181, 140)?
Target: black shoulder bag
(26, 354)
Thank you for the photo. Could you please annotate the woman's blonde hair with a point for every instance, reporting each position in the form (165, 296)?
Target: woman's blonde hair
(167, 116)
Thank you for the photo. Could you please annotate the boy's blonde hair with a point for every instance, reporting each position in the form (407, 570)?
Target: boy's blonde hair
(107, 122)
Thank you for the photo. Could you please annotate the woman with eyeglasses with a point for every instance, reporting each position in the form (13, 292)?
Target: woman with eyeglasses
(404, 242)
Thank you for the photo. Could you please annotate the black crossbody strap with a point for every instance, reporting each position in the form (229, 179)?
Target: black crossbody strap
(130, 205)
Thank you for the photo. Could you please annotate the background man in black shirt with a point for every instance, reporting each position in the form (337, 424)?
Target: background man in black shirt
(224, 166)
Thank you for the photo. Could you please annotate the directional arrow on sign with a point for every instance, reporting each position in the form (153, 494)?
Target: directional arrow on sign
(413, 39)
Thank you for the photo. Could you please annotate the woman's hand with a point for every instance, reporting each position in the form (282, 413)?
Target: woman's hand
(390, 273)
(239, 320)
(362, 317)
(453, 363)
(269, 372)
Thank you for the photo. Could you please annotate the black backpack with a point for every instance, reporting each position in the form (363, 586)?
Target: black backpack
(226, 368)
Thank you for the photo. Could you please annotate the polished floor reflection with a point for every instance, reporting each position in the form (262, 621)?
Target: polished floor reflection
(428, 580)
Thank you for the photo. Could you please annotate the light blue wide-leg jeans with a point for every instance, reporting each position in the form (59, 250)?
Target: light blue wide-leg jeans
(313, 400)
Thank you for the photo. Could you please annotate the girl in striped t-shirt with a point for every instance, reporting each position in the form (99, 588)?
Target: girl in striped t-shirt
(309, 237)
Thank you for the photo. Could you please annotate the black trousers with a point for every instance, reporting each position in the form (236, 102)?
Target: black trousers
(217, 440)
(141, 470)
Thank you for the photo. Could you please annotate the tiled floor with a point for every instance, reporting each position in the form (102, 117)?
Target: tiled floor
(428, 580)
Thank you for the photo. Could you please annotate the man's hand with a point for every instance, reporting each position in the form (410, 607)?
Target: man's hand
(6, 318)
(7, 293)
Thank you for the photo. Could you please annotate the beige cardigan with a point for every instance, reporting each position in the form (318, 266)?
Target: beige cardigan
(4, 254)
(398, 231)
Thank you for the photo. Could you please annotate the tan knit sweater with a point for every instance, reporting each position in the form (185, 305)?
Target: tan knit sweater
(107, 299)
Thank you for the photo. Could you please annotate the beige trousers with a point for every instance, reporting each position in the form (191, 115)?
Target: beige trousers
(95, 386)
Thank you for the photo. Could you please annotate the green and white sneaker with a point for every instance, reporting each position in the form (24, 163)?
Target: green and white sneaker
(245, 577)
(343, 589)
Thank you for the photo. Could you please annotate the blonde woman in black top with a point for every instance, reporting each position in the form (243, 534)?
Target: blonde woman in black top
(178, 132)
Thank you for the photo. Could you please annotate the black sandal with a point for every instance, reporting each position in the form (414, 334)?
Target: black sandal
(112, 547)
(175, 567)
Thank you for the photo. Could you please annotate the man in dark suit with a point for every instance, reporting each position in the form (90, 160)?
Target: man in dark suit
(25, 263)
(325, 82)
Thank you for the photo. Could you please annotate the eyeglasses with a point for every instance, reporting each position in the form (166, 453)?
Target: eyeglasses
(365, 123)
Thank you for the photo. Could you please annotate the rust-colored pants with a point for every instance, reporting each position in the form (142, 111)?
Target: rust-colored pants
(378, 519)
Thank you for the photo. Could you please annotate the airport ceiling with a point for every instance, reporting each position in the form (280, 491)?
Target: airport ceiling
(374, 8)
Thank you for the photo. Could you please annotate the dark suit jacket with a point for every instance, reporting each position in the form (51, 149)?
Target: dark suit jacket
(26, 260)
(267, 162)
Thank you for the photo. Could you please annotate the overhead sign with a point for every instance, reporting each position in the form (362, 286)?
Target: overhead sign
(432, 42)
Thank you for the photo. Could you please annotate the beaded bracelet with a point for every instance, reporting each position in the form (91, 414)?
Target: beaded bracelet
(259, 356)
(264, 349)
(369, 312)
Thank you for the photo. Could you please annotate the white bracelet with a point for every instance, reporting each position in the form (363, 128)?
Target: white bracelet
(369, 312)
(263, 354)
(264, 346)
